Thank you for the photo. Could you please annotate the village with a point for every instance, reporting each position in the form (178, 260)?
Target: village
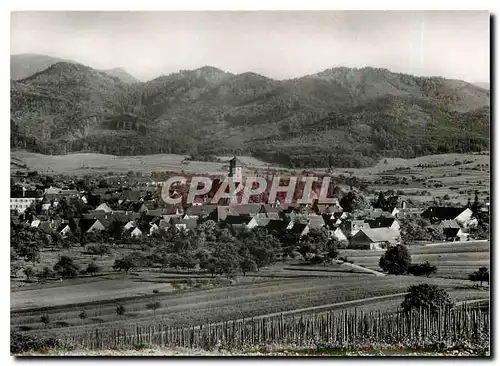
(139, 211)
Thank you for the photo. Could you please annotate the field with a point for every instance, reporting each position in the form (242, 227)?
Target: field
(290, 288)
(90, 163)
(453, 260)
(456, 176)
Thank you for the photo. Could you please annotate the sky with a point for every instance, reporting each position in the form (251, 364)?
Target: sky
(277, 44)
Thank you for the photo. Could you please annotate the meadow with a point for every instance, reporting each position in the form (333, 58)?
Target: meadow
(453, 260)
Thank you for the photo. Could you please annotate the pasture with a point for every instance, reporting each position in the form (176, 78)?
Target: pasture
(453, 260)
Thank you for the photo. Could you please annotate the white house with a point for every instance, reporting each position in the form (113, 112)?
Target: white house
(136, 233)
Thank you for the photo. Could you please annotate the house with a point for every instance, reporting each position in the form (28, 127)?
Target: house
(351, 227)
(328, 209)
(452, 230)
(91, 225)
(338, 234)
(374, 239)
(401, 213)
(199, 211)
(130, 195)
(276, 227)
(316, 222)
(129, 225)
(224, 211)
(247, 209)
(260, 220)
(189, 224)
(388, 222)
(103, 207)
(153, 229)
(238, 221)
(65, 230)
(175, 221)
(463, 216)
(21, 200)
(136, 233)
(299, 227)
(138, 207)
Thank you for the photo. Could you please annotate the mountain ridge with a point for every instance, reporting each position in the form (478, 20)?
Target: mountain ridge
(354, 114)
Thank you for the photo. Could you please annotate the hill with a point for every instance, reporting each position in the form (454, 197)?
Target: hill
(484, 85)
(121, 74)
(27, 64)
(347, 117)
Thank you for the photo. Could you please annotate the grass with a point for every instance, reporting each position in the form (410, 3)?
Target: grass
(453, 260)
(218, 304)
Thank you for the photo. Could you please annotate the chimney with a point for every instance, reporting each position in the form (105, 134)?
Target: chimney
(403, 205)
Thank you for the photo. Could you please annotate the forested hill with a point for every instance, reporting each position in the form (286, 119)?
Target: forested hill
(351, 117)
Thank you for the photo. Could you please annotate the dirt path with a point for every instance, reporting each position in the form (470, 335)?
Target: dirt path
(363, 269)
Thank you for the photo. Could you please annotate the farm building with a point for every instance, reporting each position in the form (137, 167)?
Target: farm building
(373, 239)
(463, 216)
(452, 230)
(352, 227)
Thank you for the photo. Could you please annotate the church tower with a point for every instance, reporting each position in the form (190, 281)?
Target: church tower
(235, 170)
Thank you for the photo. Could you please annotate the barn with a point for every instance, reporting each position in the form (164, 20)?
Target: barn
(373, 239)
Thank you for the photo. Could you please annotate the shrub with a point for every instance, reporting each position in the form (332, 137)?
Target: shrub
(20, 343)
(92, 268)
(426, 296)
(396, 260)
(29, 272)
(120, 310)
(422, 269)
(66, 267)
(481, 275)
(98, 249)
(316, 259)
(45, 319)
(153, 306)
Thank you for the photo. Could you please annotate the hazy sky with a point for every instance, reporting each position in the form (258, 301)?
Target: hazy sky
(276, 44)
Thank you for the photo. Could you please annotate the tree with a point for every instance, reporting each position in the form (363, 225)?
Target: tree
(82, 315)
(331, 248)
(354, 202)
(45, 274)
(92, 268)
(396, 260)
(29, 271)
(422, 269)
(314, 242)
(153, 306)
(125, 264)
(317, 259)
(120, 310)
(98, 249)
(45, 319)
(14, 268)
(481, 275)
(66, 268)
(247, 264)
(426, 296)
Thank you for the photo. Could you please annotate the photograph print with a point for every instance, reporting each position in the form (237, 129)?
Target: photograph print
(250, 183)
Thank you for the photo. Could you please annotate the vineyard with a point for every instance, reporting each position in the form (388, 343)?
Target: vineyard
(463, 324)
